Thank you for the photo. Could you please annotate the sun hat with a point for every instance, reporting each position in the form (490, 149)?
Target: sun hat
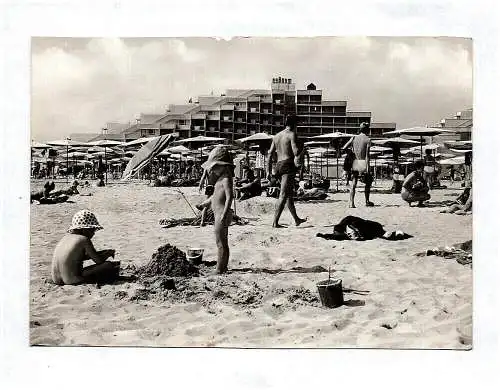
(220, 155)
(84, 219)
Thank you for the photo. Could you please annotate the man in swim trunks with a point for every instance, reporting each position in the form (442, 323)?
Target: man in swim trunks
(284, 145)
(360, 169)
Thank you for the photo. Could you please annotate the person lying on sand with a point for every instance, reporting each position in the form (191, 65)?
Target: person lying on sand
(72, 190)
(359, 229)
(460, 209)
(76, 247)
(220, 165)
(415, 188)
(45, 193)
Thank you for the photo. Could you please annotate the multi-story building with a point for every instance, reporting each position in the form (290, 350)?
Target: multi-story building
(242, 112)
(460, 124)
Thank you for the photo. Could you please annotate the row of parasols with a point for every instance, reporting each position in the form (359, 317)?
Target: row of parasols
(84, 152)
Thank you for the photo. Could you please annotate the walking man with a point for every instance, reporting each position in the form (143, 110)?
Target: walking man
(361, 166)
(285, 146)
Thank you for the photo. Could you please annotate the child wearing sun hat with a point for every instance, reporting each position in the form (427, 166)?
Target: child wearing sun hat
(220, 170)
(76, 247)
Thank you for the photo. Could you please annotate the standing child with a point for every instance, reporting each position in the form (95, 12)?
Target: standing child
(76, 247)
(220, 166)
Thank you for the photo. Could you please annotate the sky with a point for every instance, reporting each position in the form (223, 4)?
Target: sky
(80, 84)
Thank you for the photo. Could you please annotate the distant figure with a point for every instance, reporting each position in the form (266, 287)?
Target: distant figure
(76, 247)
(260, 161)
(285, 146)
(348, 161)
(206, 182)
(415, 188)
(220, 166)
(249, 187)
(361, 164)
(452, 174)
(430, 170)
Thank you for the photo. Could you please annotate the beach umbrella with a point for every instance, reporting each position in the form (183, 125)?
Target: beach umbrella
(201, 140)
(459, 151)
(459, 160)
(316, 143)
(335, 136)
(139, 141)
(257, 137)
(421, 132)
(67, 143)
(39, 145)
(105, 143)
(398, 141)
(146, 153)
(76, 154)
(179, 149)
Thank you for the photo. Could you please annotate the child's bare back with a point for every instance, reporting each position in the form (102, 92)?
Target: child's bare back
(76, 247)
(69, 255)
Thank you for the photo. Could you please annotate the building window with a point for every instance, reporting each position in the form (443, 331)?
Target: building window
(151, 131)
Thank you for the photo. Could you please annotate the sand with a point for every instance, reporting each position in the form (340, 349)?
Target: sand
(394, 299)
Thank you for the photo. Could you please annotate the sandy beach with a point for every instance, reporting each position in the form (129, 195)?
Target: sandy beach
(394, 299)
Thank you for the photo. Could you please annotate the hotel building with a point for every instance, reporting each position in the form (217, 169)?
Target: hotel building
(239, 113)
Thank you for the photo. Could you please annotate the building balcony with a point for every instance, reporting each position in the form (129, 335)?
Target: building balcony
(199, 128)
(240, 108)
(254, 110)
(198, 116)
(212, 128)
(227, 119)
(213, 117)
(184, 127)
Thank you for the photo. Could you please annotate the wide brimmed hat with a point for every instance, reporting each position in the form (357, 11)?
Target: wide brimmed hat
(220, 155)
(84, 219)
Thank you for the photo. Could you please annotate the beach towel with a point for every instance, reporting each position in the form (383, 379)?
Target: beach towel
(461, 252)
(195, 221)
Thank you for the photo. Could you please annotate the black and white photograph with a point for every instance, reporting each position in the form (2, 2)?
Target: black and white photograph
(253, 192)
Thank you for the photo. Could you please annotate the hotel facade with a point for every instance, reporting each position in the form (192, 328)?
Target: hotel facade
(239, 113)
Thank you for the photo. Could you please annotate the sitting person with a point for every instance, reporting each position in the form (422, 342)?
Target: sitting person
(311, 194)
(359, 229)
(273, 188)
(415, 188)
(459, 208)
(76, 247)
(250, 187)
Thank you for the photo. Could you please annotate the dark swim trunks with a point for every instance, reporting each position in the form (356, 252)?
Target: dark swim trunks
(284, 167)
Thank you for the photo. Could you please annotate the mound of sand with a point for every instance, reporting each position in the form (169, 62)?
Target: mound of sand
(168, 261)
